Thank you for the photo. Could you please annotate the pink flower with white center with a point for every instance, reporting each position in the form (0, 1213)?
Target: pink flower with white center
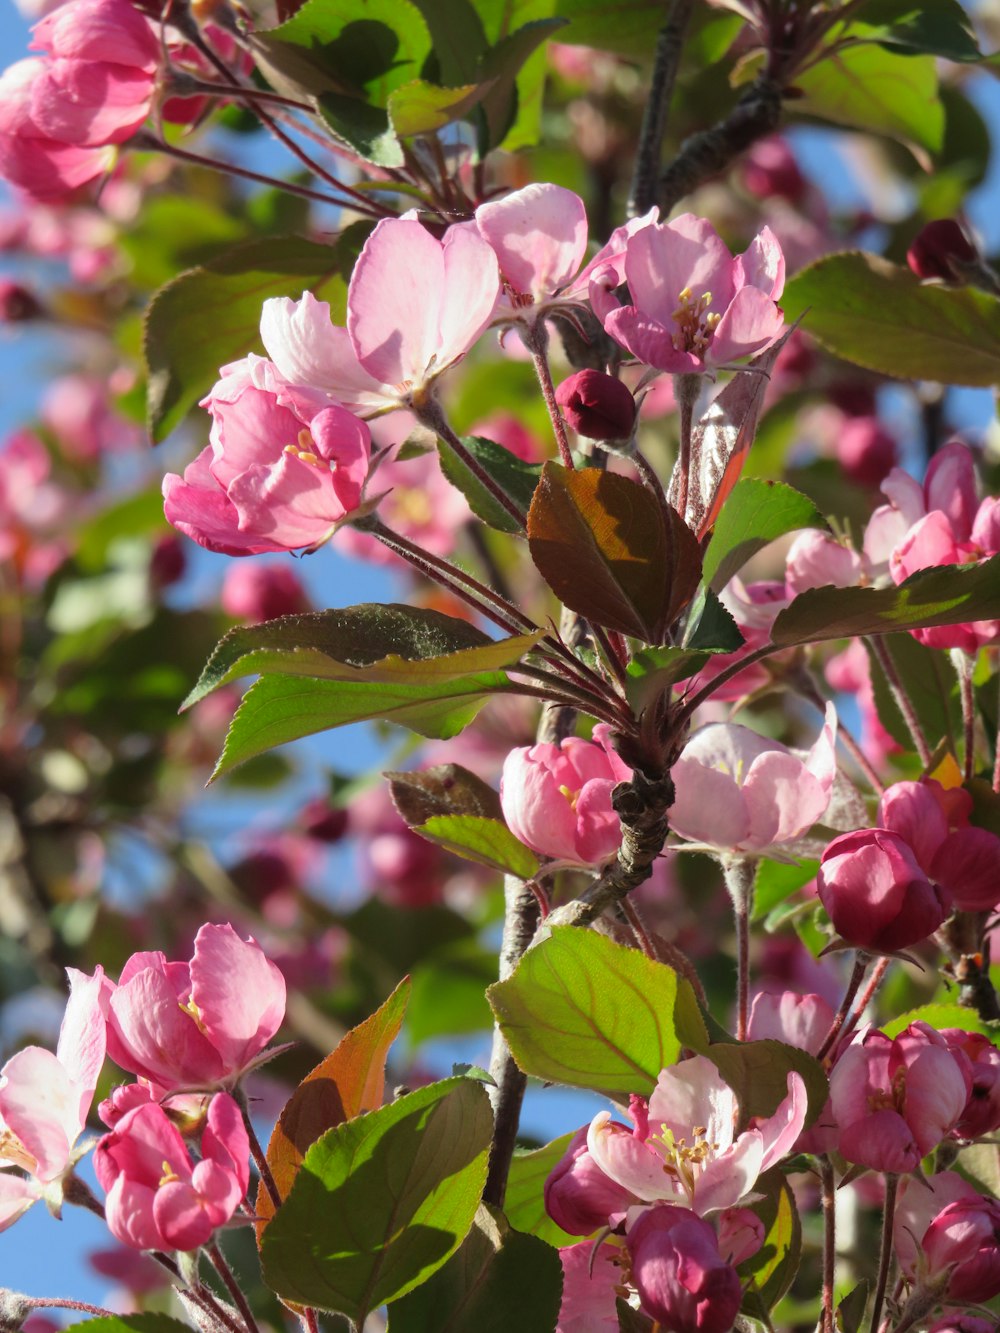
(557, 798)
(895, 1099)
(158, 1197)
(285, 465)
(682, 1280)
(685, 1150)
(947, 1238)
(45, 1100)
(694, 307)
(200, 1024)
(740, 792)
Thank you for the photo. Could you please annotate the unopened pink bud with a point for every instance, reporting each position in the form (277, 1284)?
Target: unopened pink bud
(255, 592)
(597, 406)
(942, 250)
(964, 1241)
(167, 561)
(682, 1279)
(579, 1197)
(866, 451)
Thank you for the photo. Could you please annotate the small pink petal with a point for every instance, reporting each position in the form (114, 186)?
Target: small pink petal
(539, 235)
(239, 993)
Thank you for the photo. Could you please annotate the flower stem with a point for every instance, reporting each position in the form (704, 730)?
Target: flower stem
(827, 1318)
(61, 1303)
(964, 664)
(536, 339)
(218, 1262)
(861, 961)
(686, 390)
(996, 757)
(428, 412)
(885, 1258)
(741, 874)
(901, 698)
(257, 1151)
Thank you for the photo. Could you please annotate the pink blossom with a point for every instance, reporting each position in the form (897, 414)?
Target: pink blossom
(285, 465)
(695, 308)
(199, 1024)
(943, 250)
(866, 450)
(895, 1099)
(45, 1100)
(76, 409)
(693, 1156)
(579, 1197)
(798, 1020)
(934, 821)
(740, 792)
(816, 560)
(46, 169)
(982, 1110)
(591, 1284)
(682, 1280)
(254, 592)
(157, 1197)
(931, 543)
(770, 169)
(948, 1241)
(754, 607)
(418, 502)
(557, 798)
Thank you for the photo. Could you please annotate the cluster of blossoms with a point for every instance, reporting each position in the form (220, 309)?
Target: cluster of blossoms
(175, 1165)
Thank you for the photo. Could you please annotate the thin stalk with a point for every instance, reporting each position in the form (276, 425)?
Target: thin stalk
(866, 996)
(964, 665)
(428, 412)
(996, 757)
(666, 60)
(610, 653)
(885, 1258)
(61, 1303)
(861, 962)
(694, 701)
(218, 1262)
(740, 874)
(827, 1322)
(187, 84)
(257, 1151)
(805, 686)
(902, 699)
(686, 390)
(536, 339)
(642, 936)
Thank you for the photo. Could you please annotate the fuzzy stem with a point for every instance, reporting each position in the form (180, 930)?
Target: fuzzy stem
(827, 1318)
(639, 930)
(861, 962)
(257, 1151)
(536, 339)
(62, 1303)
(996, 757)
(865, 998)
(964, 664)
(218, 1262)
(428, 412)
(740, 874)
(885, 1258)
(669, 44)
(901, 698)
(686, 390)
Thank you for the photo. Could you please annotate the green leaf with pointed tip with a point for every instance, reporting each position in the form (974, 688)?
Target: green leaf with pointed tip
(424, 108)
(515, 478)
(711, 627)
(501, 19)
(913, 27)
(498, 1280)
(457, 40)
(948, 595)
(868, 88)
(851, 1310)
(756, 513)
(524, 1201)
(369, 642)
(210, 315)
(486, 841)
(941, 1016)
(771, 1270)
(382, 1201)
(654, 670)
(583, 1010)
(881, 316)
(367, 129)
(284, 708)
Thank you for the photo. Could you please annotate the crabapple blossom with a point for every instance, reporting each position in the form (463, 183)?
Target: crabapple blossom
(557, 798)
(592, 1280)
(681, 1278)
(876, 893)
(285, 465)
(684, 1148)
(157, 1197)
(947, 1239)
(44, 168)
(895, 1099)
(579, 1197)
(982, 1110)
(254, 592)
(597, 405)
(199, 1024)
(694, 307)
(45, 1100)
(740, 792)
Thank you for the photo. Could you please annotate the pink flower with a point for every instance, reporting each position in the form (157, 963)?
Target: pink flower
(579, 1197)
(682, 1280)
(285, 465)
(694, 307)
(947, 1238)
(45, 1100)
(158, 1198)
(591, 1283)
(815, 560)
(949, 486)
(417, 501)
(866, 450)
(46, 169)
(686, 1149)
(257, 592)
(76, 409)
(770, 170)
(895, 1099)
(199, 1024)
(933, 542)
(876, 894)
(982, 1110)
(557, 798)
(740, 792)
(934, 821)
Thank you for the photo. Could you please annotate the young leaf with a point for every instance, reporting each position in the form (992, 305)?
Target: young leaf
(524, 1201)
(424, 108)
(881, 316)
(348, 1083)
(929, 680)
(585, 1011)
(445, 789)
(773, 1268)
(757, 1072)
(868, 88)
(851, 1310)
(755, 513)
(367, 129)
(515, 478)
(913, 27)
(381, 1201)
(602, 544)
(210, 315)
(500, 71)
(486, 841)
(498, 1280)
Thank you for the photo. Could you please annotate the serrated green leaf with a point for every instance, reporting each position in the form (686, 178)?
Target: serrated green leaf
(941, 1016)
(914, 27)
(868, 88)
(486, 841)
(210, 315)
(756, 513)
(457, 40)
(881, 316)
(515, 478)
(382, 1201)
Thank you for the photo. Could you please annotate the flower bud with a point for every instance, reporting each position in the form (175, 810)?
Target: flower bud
(579, 1197)
(982, 1110)
(770, 171)
(682, 1280)
(167, 561)
(942, 250)
(255, 592)
(597, 405)
(17, 303)
(875, 893)
(866, 451)
(964, 1241)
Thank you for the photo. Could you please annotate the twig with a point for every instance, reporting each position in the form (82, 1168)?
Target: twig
(536, 339)
(965, 664)
(901, 698)
(827, 1318)
(861, 962)
(666, 60)
(885, 1258)
(740, 873)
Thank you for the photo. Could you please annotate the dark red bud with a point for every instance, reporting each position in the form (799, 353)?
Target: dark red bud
(167, 561)
(325, 823)
(17, 303)
(942, 250)
(597, 405)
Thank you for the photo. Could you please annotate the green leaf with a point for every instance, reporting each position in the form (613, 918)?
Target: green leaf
(941, 1016)
(755, 513)
(947, 595)
(284, 708)
(449, 992)
(501, 19)
(175, 232)
(501, 68)
(424, 108)
(500, 1279)
(524, 1202)
(632, 1321)
(602, 544)
(881, 316)
(628, 27)
(370, 642)
(486, 841)
(590, 1013)
(381, 1201)
(914, 27)
(457, 39)
(851, 1310)
(654, 670)
(929, 680)
(515, 478)
(132, 1323)
(776, 882)
(366, 129)
(210, 315)
(711, 627)
(868, 88)
(774, 1266)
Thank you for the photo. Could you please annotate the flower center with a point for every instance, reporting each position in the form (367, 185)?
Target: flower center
(303, 450)
(13, 1150)
(571, 796)
(169, 1177)
(682, 1160)
(194, 1013)
(695, 328)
